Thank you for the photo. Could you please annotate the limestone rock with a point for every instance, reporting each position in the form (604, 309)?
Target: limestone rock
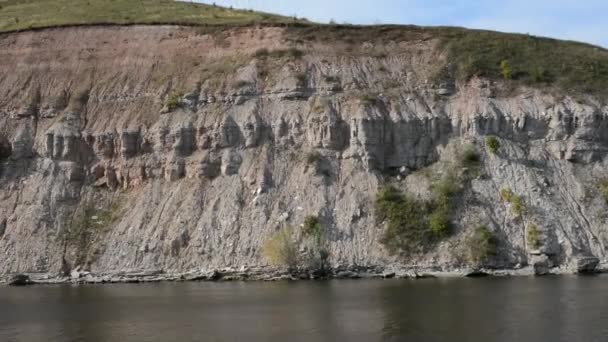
(586, 264)
(541, 264)
(231, 162)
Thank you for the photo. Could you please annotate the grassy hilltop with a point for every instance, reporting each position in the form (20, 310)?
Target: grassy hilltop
(25, 14)
(570, 67)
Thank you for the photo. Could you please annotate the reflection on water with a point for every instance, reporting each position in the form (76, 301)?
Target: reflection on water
(510, 309)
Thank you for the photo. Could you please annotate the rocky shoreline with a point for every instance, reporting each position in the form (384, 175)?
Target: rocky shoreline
(276, 274)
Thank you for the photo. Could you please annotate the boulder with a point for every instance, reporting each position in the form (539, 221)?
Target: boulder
(586, 264)
(76, 274)
(20, 280)
(541, 264)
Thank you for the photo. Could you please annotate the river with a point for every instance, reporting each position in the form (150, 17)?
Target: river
(564, 308)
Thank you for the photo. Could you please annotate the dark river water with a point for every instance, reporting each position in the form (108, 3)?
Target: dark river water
(492, 309)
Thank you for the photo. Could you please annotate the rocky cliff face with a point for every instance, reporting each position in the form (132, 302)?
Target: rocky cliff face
(145, 148)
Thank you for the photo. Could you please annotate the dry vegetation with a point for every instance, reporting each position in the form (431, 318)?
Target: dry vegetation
(570, 67)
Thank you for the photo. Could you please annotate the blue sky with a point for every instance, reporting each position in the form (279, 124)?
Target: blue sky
(582, 20)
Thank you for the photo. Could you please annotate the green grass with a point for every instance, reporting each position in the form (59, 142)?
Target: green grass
(572, 67)
(575, 68)
(27, 14)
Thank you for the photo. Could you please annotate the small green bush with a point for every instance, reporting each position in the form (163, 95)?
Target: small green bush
(603, 187)
(517, 206)
(444, 189)
(492, 144)
(539, 75)
(470, 157)
(386, 199)
(533, 236)
(174, 100)
(482, 246)
(516, 202)
(313, 157)
(506, 194)
(315, 232)
(439, 222)
(407, 227)
(312, 227)
(505, 70)
(281, 249)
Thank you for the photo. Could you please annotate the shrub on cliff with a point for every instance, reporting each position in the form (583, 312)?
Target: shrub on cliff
(318, 163)
(314, 231)
(603, 187)
(469, 157)
(407, 226)
(313, 157)
(482, 246)
(539, 75)
(492, 144)
(515, 201)
(280, 249)
(443, 192)
(533, 236)
(174, 100)
(505, 70)
(439, 222)
(312, 227)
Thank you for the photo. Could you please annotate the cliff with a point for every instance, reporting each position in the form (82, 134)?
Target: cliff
(176, 148)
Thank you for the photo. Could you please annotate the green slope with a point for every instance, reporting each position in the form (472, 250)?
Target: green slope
(26, 14)
(515, 59)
